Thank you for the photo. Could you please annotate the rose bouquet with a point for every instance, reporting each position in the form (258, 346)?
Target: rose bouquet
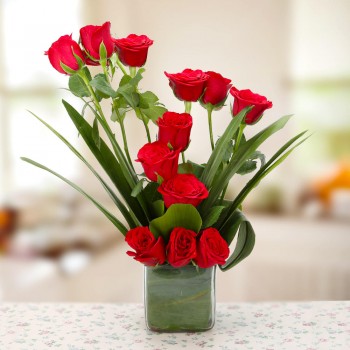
(177, 219)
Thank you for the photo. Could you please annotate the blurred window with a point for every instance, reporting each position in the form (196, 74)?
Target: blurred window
(28, 82)
(320, 69)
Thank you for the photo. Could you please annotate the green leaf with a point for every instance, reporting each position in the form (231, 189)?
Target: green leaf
(147, 99)
(238, 223)
(151, 192)
(244, 246)
(103, 86)
(220, 149)
(67, 69)
(177, 215)
(131, 98)
(130, 217)
(103, 52)
(197, 169)
(185, 168)
(125, 80)
(247, 167)
(77, 86)
(120, 108)
(138, 188)
(137, 78)
(275, 160)
(243, 153)
(109, 163)
(251, 164)
(111, 217)
(260, 156)
(228, 152)
(213, 216)
(153, 112)
(158, 208)
(96, 134)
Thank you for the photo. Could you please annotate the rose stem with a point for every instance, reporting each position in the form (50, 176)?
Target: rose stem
(132, 71)
(210, 110)
(188, 105)
(183, 157)
(239, 136)
(122, 127)
(121, 66)
(145, 124)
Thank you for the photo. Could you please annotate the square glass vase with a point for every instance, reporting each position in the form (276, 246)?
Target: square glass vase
(179, 299)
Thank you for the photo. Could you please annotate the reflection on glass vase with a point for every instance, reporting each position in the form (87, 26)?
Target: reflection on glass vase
(179, 299)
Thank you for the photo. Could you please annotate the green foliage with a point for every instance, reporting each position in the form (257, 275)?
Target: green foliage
(177, 215)
(153, 112)
(77, 86)
(130, 218)
(158, 208)
(111, 217)
(191, 168)
(244, 152)
(213, 216)
(100, 83)
(138, 188)
(95, 134)
(219, 153)
(120, 108)
(265, 169)
(116, 172)
(103, 52)
(245, 239)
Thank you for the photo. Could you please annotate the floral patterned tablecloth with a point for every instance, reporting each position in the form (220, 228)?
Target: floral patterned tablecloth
(256, 326)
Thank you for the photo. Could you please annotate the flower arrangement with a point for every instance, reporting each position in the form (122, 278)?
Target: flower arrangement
(175, 212)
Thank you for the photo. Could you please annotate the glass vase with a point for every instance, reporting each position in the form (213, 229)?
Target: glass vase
(179, 299)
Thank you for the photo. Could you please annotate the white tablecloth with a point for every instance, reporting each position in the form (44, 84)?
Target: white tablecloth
(256, 326)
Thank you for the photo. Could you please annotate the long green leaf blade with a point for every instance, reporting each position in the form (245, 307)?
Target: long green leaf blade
(244, 246)
(220, 148)
(275, 160)
(130, 217)
(237, 160)
(108, 162)
(110, 216)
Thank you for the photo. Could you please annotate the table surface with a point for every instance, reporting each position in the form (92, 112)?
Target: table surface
(256, 326)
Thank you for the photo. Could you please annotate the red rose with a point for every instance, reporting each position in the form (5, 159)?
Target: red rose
(183, 188)
(212, 249)
(245, 98)
(188, 85)
(62, 51)
(92, 37)
(181, 248)
(133, 49)
(158, 158)
(149, 251)
(217, 89)
(175, 128)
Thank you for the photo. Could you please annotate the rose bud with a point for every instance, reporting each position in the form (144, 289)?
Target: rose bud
(62, 51)
(217, 89)
(92, 37)
(183, 188)
(245, 98)
(157, 158)
(181, 248)
(188, 85)
(175, 128)
(133, 50)
(212, 249)
(149, 251)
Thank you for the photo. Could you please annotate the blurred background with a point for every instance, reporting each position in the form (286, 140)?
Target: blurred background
(55, 246)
